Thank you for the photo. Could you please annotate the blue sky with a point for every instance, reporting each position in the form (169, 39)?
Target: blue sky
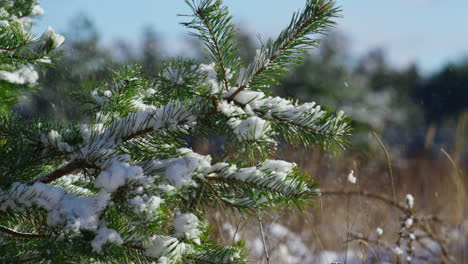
(429, 32)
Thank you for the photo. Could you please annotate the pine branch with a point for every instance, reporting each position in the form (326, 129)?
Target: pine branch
(213, 23)
(273, 58)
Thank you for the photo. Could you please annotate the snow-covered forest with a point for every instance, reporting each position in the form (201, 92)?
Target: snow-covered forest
(288, 149)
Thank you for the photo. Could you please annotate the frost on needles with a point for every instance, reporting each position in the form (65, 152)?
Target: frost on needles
(126, 187)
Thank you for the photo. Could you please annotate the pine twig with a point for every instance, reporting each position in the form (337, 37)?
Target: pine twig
(20, 234)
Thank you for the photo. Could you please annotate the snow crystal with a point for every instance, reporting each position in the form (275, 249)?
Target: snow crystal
(105, 235)
(410, 200)
(186, 225)
(25, 75)
(351, 178)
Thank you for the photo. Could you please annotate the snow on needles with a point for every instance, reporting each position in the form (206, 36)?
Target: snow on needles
(24, 75)
(69, 210)
(186, 225)
(308, 115)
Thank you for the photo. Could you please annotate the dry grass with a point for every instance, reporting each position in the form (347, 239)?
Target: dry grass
(347, 215)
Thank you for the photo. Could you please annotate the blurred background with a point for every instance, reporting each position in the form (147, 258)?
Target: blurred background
(398, 68)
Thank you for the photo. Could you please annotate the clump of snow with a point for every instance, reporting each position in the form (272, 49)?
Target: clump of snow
(25, 75)
(229, 109)
(351, 178)
(163, 246)
(55, 139)
(252, 128)
(117, 173)
(409, 222)
(37, 11)
(186, 225)
(398, 251)
(57, 39)
(211, 76)
(145, 205)
(410, 200)
(279, 168)
(246, 97)
(105, 235)
(379, 231)
(178, 172)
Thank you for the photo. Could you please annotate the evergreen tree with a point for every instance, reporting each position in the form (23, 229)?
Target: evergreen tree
(126, 188)
(20, 51)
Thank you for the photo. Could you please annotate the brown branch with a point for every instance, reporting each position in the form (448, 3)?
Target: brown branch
(59, 172)
(138, 133)
(15, 47)
(201, 260)
(132, 246)
(381, 198)
(20, 234)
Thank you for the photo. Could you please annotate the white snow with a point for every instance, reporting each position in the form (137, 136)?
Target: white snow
(160, 246)
(186, 225)
(398, 251)
(379, 231)
(211, 79)
(410, 200)
(252, 128)
(178, 172)
(145, 205)
(117, 174)
(37, 11)
(24, 75)
(351, 178)
(62, 209)
(57, 39)
(55, 139)
(409, 222)
(105, 235)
